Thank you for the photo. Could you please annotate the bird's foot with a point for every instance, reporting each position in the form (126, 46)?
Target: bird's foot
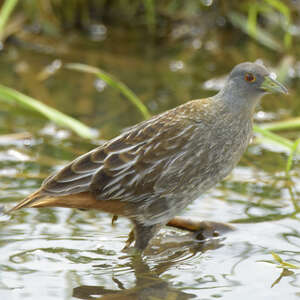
(114, 219)
(202, 229)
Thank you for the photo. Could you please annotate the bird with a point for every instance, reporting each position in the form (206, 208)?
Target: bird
(153, 170)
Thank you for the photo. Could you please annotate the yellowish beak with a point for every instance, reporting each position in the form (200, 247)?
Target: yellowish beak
(271, 85)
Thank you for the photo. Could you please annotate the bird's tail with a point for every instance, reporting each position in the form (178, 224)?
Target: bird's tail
(84, 200)
(31, 201)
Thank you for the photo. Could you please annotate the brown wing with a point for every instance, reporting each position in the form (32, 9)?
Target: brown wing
(128, 166)
(131, 174)
(77, 176)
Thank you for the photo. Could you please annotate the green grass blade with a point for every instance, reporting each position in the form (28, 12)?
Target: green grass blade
(281, 7)
(6, 9)
(260, 35)
(274, 137)
(150, 15)
(282, 263)
(291, 156)
(11, 95)
(277, 257)
(252, 19)
(283, 125)
(285, 11)
(258, 219)
(113, 82)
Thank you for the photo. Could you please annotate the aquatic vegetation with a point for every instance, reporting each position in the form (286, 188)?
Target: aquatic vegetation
(265, 8)
(287, 268)
(53, 16)
(150, 15)
(260, 35)
(13, 96)
(5, 12)
(280, 263)
(292, 123)
(115, 83)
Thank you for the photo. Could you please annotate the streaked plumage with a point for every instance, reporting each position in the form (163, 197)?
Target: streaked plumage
(156, 168)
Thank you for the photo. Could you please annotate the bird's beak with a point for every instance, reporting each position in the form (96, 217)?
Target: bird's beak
(271, 85)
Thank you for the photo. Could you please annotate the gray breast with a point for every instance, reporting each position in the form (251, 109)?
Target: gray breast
(201, 164)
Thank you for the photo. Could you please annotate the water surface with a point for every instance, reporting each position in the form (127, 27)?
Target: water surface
(63, 253)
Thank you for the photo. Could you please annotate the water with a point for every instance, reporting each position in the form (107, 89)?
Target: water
(64, 254)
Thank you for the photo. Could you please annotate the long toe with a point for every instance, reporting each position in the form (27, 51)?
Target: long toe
(202, 229)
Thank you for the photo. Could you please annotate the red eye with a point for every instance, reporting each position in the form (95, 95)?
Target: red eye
(250, 77)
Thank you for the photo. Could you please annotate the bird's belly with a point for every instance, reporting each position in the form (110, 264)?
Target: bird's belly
(212, 165)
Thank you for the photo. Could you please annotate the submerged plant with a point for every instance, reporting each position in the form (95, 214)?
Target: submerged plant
(280, 263)
(287, 268)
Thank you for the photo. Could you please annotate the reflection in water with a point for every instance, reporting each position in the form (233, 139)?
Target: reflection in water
(148, 284)
(60, 254)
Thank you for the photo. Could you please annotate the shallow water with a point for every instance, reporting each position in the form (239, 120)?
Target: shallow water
(63, 253)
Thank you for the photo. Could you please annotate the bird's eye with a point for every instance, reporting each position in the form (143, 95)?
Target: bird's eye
(250, 77)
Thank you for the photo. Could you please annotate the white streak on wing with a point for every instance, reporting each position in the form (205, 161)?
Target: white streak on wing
(113, 188)
(78, 160)
(134, 180)
(148, 148)
(122, 167)
(116, 180)
(76, 176)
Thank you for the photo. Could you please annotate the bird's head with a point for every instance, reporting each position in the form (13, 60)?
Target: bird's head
(248, 82)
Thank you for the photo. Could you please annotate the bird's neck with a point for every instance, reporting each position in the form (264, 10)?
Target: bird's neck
(236, 101)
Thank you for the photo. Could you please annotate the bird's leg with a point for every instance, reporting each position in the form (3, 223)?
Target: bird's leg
(143, 234)
(203, 229)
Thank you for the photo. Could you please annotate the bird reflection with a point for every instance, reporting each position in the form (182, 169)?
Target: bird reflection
(148, 282)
